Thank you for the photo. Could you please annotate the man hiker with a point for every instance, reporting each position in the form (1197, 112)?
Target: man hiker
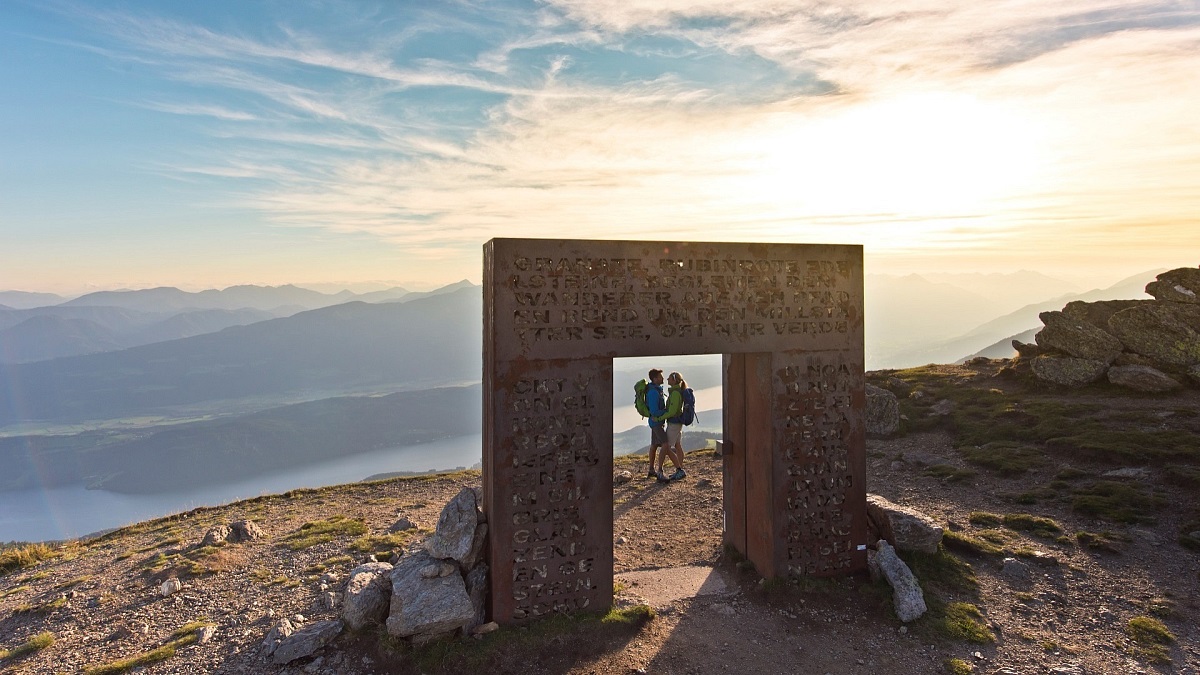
(656, 401)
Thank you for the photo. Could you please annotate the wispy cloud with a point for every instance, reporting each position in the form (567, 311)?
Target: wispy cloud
(939, 124)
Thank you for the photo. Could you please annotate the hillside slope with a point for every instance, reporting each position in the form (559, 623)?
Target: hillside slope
(1063, 551)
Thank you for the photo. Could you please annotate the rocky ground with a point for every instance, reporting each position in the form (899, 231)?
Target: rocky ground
(1048, 602)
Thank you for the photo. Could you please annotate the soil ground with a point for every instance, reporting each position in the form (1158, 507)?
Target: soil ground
(1065, 608)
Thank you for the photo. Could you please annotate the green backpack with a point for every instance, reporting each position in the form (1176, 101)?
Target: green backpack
(639, 397)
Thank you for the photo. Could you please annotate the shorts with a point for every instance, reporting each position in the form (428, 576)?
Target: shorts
(674, 433)
(658, 435)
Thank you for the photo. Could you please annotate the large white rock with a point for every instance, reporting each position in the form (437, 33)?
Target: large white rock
(906, 592)
(907, 529)
(368, 596)
(429, 597)
(306, 641)
(456, 535)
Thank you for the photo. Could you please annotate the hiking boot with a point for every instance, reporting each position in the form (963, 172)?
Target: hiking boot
(662, 478)
(679, 473)
(650, 473)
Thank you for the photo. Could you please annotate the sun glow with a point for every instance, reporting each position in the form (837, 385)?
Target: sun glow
(932, 161)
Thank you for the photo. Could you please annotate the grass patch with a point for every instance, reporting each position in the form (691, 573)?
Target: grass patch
(13, 591)
(1179, 474)
(21, 556)
(948, 473)
(183, 636)
(34, 644)
(984, 519)
(1006, 458)
(41, 608)
(1189, 534)
(965, 543)
(941, 571)
(1101, 541)
(382, 545)
(959, 667)
(1151, 639)
(322, 531)
(74, 582)
(588, 632)
(1117, 502)
(1129, 447)
(964, 621)
(1071, 473)
(1035, 525)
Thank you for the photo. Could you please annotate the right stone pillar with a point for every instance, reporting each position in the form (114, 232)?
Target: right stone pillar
(795, 461)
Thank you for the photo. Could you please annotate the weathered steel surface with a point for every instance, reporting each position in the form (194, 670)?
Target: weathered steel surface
(820, 463)
(578, 299)
(733, 456)
(555, 314)
(549, 497)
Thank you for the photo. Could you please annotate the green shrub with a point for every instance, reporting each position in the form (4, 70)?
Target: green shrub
(21, 556)
(964, 621)
(984, 519)
(1118, 502)
(1150, 639)
(1101, 541)
(321, 531)
(1042, 527)
(1007, 458)
(959, 667)
(965, 543)
(34, 644)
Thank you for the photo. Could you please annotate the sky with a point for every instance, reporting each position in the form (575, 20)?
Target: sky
(207, 144)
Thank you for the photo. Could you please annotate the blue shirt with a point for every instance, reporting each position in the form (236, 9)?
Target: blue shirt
(656, 402)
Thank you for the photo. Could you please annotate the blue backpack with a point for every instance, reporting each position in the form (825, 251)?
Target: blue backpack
(688, 414)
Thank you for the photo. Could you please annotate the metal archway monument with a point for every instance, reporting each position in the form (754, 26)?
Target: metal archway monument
(788, 320)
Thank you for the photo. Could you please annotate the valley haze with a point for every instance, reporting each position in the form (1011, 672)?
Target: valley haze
(162, 391)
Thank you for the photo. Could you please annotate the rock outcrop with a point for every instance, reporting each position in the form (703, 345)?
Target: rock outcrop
(436, 590)
(883, 411)
(1145, 345)
(904, 528)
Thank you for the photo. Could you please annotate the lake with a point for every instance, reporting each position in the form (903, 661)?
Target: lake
(68, 512)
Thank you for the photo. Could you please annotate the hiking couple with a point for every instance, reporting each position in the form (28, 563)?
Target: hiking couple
(667, 419)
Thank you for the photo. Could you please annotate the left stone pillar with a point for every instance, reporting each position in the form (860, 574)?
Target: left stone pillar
(549, 500)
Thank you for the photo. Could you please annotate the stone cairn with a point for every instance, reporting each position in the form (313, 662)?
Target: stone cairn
(1145, 345)
(437, 589)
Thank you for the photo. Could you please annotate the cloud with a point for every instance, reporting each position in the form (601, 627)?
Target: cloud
(977, 127)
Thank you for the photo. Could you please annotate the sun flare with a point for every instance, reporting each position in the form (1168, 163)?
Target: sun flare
(932, 161)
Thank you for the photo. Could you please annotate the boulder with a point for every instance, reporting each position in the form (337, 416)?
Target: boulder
(403, 524)
(477, 589)
(622, 477)
(216, 535)
(1076, 338)
(907, 597)
(277, 634)
(368, 596)
(1026, 350)
(1098, 312)
(1168, 333)
(306, 641)
(906, 529)
(245, 530)
(429, 597)
(883, 411)
(1067, 370)
(456, 528)
(1177, 285)
(1142, 378)
(170, 587)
